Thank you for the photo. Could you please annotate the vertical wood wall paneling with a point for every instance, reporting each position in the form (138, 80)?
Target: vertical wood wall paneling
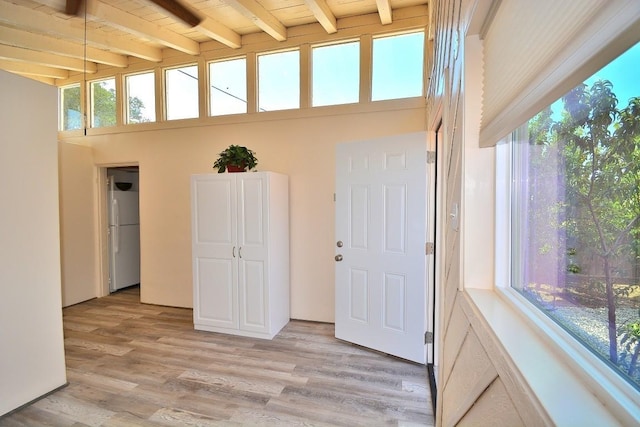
(478, 384)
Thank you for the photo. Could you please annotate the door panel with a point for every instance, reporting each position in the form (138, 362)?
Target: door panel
(252, 211)
(394, 297)
(213, 200)
(252, 288)
(359, 212)
(359, 295)
(395, 218)
(216, 293)
(381, 220)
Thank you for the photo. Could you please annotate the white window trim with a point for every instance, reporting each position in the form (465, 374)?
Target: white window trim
(90, 100)
(207, 92)
(165, 98)
(391, 35)
(573, 385)
(324, 45)
(127, 95)
(300, 77)
(567, 382)
(553, 372)
(61, 90)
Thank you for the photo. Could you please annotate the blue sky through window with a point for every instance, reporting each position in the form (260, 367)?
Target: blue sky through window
(623, 73)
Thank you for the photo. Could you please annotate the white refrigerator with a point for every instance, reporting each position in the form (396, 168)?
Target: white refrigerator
(124, 238)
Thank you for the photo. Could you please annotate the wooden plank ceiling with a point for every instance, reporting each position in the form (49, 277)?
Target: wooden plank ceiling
(39, 40)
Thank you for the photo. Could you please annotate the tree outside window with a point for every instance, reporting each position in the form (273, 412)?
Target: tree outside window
(576, 234)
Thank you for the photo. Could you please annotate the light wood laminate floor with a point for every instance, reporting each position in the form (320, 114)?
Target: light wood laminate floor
(132, 364)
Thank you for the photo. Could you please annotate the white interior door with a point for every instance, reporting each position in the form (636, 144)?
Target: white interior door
(380, 244)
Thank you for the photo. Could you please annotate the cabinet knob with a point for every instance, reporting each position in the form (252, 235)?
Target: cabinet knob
(338, 258)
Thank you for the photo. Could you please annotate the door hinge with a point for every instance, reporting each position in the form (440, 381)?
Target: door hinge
(428, 248)
(334, 197)
(428, 337)
(431, 157)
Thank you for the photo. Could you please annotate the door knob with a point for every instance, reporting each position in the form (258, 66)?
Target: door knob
(338, 258)
(339, 243)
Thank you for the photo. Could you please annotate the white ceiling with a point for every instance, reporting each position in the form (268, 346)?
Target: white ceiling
(38, 40)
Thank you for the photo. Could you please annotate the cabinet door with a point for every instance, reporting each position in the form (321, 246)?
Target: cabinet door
(253, 227)
(215, 250)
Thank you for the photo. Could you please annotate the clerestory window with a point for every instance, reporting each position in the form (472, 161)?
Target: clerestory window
(102, 98)
(141, 97)
(228, 87)
(70, 111)
(279, 80)
(398, 64)
(181, 92)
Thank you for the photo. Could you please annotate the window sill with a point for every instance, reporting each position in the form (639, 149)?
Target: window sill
(555, 373)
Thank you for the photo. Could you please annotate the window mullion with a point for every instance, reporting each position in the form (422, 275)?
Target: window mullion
(252, 83)
(305, 76)
(365, 67)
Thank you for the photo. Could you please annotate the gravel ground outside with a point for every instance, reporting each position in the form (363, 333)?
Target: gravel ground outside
(590, 324)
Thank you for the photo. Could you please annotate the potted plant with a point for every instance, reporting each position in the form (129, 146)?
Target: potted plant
(236, 158)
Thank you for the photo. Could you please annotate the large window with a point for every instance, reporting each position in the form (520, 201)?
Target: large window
(141, 96)
(70, 112)
(279, 81)
(576, 213)
(102, 95)
(336, 74)
(398, 66)
(181, 92)
(228, 87)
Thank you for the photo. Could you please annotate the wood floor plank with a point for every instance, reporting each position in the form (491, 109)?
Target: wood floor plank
(133, 364)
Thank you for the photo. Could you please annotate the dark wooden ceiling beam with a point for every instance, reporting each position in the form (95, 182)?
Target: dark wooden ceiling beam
(179, 11)
(72, 7)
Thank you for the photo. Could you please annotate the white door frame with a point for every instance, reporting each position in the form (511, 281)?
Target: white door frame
(431, 262)
(102, 225)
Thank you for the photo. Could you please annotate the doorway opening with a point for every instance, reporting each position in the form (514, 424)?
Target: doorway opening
(122, 227)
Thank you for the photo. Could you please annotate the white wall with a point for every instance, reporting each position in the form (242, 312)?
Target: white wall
(301, 147)
(31, 340)
(77, 225)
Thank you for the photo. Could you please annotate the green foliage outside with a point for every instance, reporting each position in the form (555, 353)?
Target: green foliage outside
(104, 108)
(599, 147)
(71, 116)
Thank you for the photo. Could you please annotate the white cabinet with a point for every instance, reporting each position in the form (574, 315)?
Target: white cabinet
(240, 243)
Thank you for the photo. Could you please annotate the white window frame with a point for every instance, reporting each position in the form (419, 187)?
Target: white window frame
(90, 102)
(61, 90)
(125, 91)
(423, 71)
(300, 78)
(360, 74)
(165, 98)
(595, 376)
(569, 384)
(209, 85)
